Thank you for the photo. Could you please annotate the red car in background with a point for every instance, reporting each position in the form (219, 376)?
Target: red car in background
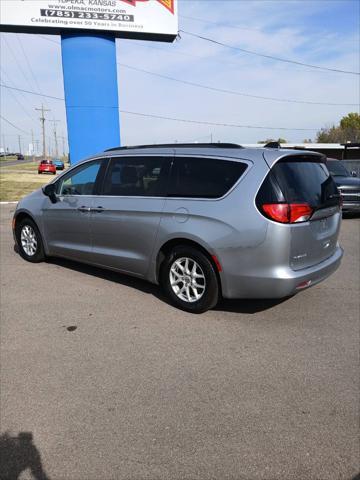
(46, 166)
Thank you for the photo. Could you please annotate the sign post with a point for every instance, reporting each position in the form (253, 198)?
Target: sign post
(88, 29)
(91, 93)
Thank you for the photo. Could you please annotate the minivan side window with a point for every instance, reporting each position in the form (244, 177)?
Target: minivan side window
(204, 177)
(137, 176)
(81, 181)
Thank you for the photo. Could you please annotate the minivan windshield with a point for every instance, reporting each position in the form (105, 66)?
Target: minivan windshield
(337, 169)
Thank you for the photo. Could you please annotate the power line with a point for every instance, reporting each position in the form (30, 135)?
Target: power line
(37, 87)
(17, 128)
(18, 63)
(232, 92)
(184, 54)
(34, 83)
(177, 119)
(271, 57)
(12, 83)
(31, 92)
(18, 101)
(49, 40)
(233, 63)
(206, 87)
(199, 122)
(217, 24)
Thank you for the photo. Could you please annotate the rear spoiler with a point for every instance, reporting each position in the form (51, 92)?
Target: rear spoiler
(272, 156)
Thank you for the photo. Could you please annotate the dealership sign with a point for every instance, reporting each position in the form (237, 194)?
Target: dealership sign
(143, 19)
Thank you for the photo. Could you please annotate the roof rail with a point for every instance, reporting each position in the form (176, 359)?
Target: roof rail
(178, 145)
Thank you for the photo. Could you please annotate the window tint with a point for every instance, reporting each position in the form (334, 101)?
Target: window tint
(137, 176)
(204, 177)
(82, 181)
(337, 169)
(308, 182)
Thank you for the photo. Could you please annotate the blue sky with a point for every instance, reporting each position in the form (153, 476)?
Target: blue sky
(315, 32)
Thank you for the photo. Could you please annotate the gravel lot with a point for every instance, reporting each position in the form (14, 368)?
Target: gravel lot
(139, 390)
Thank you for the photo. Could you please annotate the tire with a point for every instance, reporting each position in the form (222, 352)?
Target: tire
(31, 251)
(183, 285)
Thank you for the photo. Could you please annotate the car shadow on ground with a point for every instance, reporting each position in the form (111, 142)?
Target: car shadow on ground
(224, 305)
(18, 454)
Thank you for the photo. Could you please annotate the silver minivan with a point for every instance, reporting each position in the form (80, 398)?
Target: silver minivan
(201, 220)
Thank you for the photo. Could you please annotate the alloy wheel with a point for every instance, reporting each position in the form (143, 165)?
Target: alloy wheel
(187, 279)
(29, 241)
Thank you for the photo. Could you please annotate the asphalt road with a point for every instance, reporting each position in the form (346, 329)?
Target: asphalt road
(142, 391)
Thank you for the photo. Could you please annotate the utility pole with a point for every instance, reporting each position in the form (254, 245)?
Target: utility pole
(4, 147)
(50, 150)
(20, 144)
(42, 120)
(56, 138)
(32, 145)
(63, 145)
(63, 138)
(37, 147)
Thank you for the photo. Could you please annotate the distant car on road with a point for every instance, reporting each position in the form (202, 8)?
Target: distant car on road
(58, 164)
(20, 156)
(47, 166)
(347, 183)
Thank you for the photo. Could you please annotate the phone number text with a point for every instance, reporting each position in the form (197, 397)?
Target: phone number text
(87, 15)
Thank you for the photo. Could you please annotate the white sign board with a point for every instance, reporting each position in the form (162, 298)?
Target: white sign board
(143, 19)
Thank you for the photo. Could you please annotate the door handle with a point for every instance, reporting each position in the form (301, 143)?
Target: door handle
(84, 209)
(97, 209)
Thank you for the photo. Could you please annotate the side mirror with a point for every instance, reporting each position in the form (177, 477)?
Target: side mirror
(353, 173)
(50, 191)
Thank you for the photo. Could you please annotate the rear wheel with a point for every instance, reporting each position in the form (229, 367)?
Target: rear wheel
(189, 280)
(29, 241)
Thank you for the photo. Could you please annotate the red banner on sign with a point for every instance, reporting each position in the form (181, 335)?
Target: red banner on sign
(169, 4)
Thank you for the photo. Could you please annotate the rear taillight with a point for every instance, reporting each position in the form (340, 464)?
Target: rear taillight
(288, 212)
(300, 212)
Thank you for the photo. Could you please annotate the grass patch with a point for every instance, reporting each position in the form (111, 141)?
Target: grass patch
(8, 159)
(14, 186)
(25, 167)
(17, 181)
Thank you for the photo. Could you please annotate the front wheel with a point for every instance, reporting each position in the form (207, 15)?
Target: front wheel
(29, 241)
(189, 280)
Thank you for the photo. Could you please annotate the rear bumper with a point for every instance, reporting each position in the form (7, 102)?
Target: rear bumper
(281, 282)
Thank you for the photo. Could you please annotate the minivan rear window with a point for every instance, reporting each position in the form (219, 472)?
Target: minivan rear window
(308, 182)
(304, 181)
(196, 177)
